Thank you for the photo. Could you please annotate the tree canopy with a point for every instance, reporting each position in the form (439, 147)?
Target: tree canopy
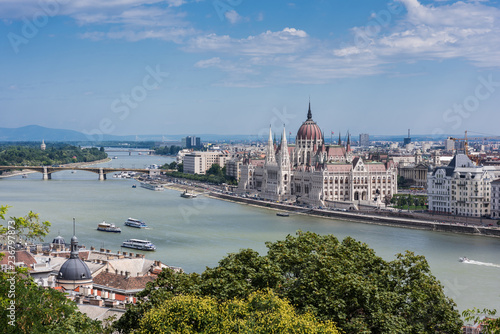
(262, 312)
(343, 282)
(24, 229)
(54, 154)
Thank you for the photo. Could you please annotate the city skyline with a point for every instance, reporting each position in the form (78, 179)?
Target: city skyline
(234, 67)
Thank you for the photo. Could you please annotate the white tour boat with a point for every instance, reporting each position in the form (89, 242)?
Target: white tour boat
(139, 244)
(106, 227)
(152, 186)
(135, 223)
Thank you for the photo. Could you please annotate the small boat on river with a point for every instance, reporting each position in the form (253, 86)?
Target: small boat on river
(139, 244)
(152, 186)
(106, 227)
(135, 223)
(464, 259)
(185, 194)
(283, 214)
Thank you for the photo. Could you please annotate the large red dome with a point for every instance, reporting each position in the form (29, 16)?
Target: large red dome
(309, 129)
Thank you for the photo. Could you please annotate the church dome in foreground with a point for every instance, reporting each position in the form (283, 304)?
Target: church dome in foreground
(309, 130)
(74, 272)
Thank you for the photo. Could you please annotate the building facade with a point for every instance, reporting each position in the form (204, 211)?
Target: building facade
(200, 162)
(364, 140)
(315, 173)
(495, 199)
(461, 188)
(192, 142)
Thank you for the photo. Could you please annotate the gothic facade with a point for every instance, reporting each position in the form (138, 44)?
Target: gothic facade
(315, 173)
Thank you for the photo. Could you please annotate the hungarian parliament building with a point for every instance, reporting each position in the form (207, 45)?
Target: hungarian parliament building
(312, 172)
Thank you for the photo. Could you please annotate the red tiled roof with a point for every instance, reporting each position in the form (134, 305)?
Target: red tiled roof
(121, 282)
(20, 256)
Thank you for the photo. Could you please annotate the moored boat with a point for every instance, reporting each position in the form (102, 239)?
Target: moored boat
(282, 214)
(135, 223)
(106, 227)
(152, 186)
(139, 244)
(185, 194)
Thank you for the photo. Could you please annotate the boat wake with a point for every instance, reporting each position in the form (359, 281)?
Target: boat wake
(487, 264)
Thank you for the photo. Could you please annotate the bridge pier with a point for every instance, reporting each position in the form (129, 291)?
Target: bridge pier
(102, 175)
(46, 174)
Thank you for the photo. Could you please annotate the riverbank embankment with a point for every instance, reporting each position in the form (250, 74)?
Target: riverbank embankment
(367, 218)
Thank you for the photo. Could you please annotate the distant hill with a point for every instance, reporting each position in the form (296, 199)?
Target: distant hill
(39, 133)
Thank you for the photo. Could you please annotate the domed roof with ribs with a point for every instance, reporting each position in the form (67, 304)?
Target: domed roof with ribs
(309, 129)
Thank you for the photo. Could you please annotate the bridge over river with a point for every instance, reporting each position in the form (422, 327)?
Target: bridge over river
(101, 171)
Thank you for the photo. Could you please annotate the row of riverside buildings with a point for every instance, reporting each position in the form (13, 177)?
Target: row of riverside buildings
(314, 173)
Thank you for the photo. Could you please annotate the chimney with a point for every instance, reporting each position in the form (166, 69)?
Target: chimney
(126, 274)
(116, 271)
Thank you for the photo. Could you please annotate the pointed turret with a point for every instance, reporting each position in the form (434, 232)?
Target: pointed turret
(340, 139)
(284, 156)
(74, 244)
(348, 147)
(270, 155)
(309, 113)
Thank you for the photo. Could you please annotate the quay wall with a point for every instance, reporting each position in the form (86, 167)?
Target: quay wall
(392, 220)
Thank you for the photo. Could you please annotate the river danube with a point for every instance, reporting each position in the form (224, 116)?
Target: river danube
(195, 233)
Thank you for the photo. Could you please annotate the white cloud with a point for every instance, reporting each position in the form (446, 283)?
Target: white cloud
(128, 19)
(208, 62)
(463, 30)
(288, 40)
(232, 16)
(458, 30)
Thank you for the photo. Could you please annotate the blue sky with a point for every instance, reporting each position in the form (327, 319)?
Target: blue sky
(236, 66)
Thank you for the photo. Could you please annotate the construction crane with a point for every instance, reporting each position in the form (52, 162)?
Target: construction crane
(466, 145)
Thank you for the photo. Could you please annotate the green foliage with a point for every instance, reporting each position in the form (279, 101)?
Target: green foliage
(172, 165)
(208, 178)
(491, 325)
(344, 282)
(172, 150)
(263, 312)
(215, 170)
(25, 229)
(415, 202)
(39, 310)
(54, 154)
